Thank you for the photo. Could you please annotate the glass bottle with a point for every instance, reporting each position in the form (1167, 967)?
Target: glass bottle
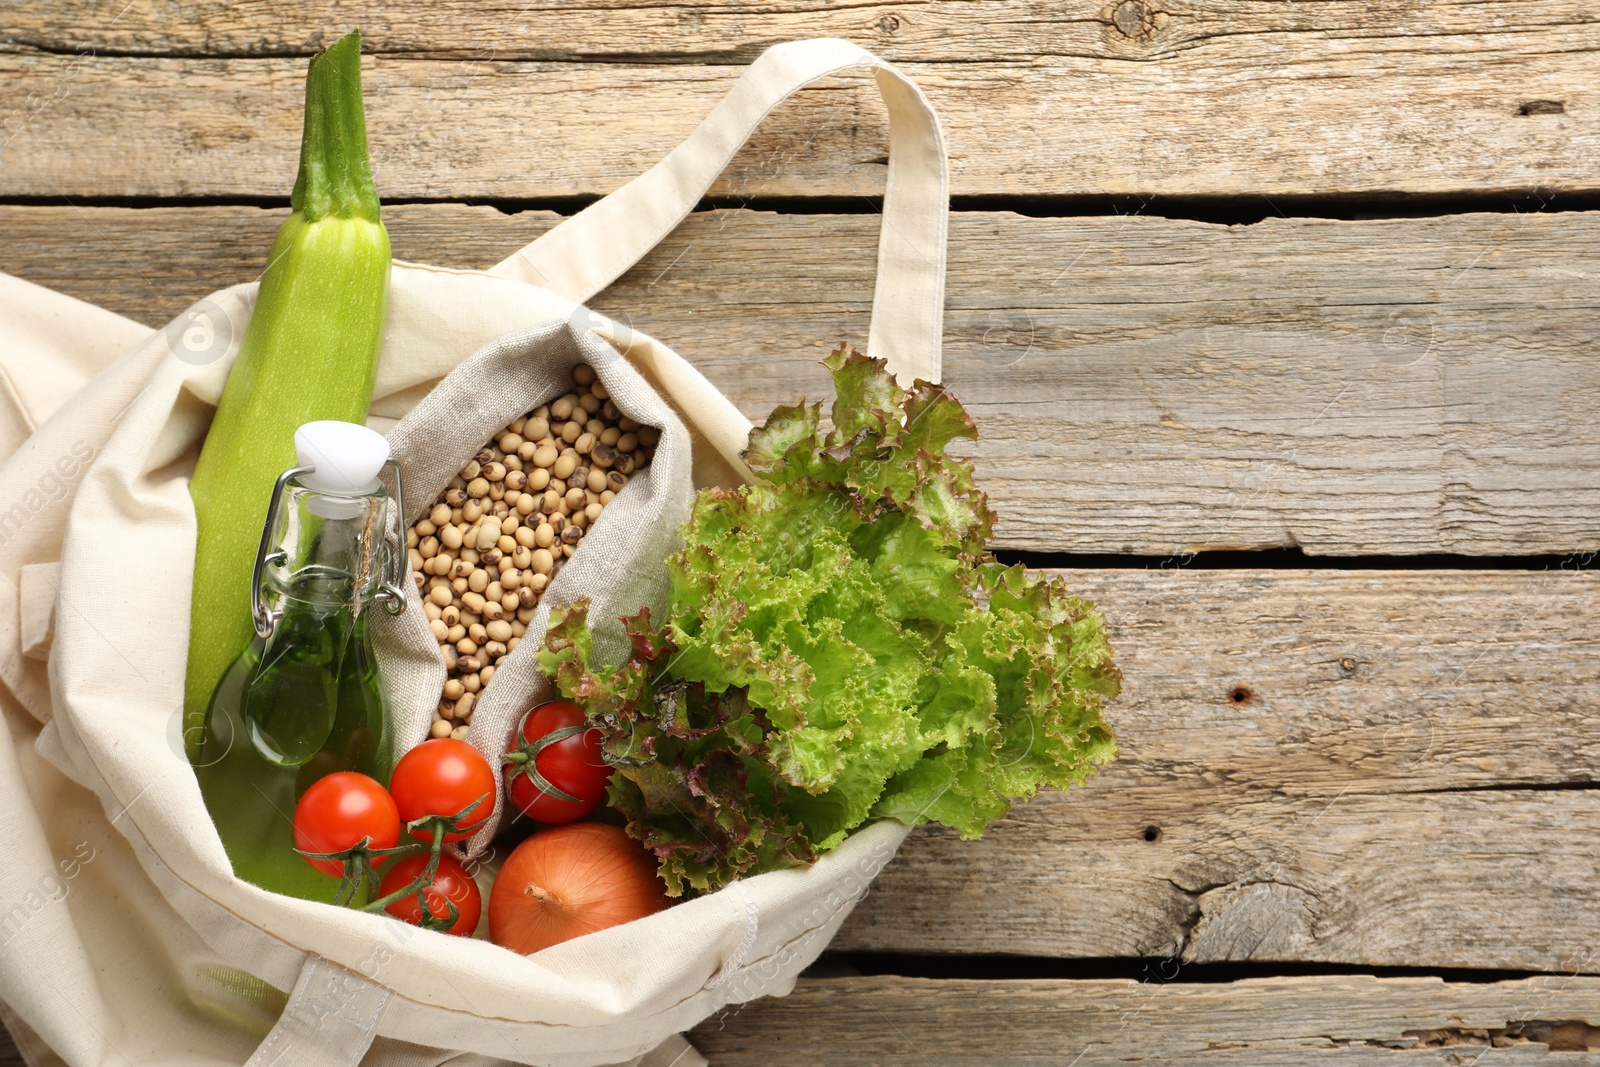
(303, 701)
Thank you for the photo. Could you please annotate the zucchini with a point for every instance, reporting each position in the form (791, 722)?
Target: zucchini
(310, 351)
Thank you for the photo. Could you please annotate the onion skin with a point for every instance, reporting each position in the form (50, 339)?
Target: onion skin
(572, 880)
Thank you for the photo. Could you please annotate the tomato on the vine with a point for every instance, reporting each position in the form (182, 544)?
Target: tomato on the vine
(451, 883)
(338, 812)
(556, 774)
(443, 777)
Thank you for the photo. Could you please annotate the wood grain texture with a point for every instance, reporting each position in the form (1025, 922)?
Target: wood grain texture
(1279, 1022)
(950, 31)
(1216, 98)
(1142, 385)
(1378, 768)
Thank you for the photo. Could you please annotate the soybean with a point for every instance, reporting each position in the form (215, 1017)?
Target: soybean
(490, 545)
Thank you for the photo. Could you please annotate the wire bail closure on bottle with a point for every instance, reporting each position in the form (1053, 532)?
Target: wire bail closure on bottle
(391, 587)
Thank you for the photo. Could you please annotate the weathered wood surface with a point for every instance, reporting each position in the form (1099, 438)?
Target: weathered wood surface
(1347, 1020)
(1354, 1020)
(1381, 768)
(967, 31)
(1143, 385)
(1211, 99)
(1371, 768)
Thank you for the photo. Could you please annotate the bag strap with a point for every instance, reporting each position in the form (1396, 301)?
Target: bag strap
(590, 250)
(330, 1020)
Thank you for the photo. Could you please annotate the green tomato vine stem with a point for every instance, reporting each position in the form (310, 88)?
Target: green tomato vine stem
(425, 878)
(524, 757)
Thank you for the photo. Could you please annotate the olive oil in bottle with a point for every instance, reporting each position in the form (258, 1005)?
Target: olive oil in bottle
(303, 701)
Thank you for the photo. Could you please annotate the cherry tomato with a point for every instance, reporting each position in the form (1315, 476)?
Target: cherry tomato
(450, 882)
(442, 777)
(338, 811)
(564, 758)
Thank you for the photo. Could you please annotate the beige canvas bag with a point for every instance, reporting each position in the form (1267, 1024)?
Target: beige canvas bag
(124, 937)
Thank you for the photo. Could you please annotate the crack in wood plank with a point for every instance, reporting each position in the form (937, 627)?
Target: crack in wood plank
(1279, 1022)
(1414, 811)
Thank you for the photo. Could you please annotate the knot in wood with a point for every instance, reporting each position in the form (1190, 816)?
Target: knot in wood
(1134, 20)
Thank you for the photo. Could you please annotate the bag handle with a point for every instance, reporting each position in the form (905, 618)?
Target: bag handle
(590, 250)
(329, 1021)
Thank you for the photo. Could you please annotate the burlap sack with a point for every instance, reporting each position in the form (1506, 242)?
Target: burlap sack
(126, 938)
(618, 565)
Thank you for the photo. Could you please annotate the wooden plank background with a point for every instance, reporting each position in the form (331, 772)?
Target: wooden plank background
(1210, 98)
(1328, 774)
(1142, 385)
(1284, 1022)
(1330, 765)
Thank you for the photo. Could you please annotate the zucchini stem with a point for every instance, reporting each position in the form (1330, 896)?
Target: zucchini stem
(335, 176)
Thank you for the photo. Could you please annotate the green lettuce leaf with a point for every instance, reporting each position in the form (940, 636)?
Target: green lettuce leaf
(840, 647)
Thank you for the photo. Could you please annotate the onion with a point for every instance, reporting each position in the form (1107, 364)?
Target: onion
(572, 880)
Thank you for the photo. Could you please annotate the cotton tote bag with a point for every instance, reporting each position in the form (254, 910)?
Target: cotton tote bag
(126, 939)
